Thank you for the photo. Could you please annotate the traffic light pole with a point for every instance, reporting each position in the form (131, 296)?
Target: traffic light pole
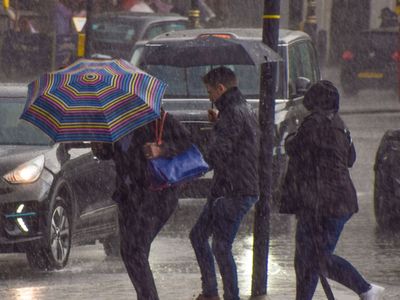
(88, 28)
(267, 123)
(310, 24)
(194, 14)
(398, 49)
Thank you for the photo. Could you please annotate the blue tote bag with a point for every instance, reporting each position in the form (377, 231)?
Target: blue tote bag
(178, 169)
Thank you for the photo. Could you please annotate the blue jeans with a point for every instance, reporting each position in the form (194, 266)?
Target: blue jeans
(220, 219)
(315, 243)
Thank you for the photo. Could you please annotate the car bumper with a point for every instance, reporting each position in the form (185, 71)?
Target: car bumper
(23, 211)
(385, 77)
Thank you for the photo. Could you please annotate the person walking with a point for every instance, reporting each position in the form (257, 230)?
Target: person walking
(233, 155)
(142, 211)
(319, 190)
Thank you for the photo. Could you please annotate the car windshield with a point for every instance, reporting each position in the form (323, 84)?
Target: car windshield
(13, 130)
(115, 30)
(186, 82)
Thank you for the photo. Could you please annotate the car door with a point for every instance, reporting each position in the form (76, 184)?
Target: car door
(303, 62)
(92, 186)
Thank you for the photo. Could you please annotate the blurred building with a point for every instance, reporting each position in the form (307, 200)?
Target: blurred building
(336, 21)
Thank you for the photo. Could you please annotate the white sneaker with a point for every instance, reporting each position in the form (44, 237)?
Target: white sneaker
(374, 293)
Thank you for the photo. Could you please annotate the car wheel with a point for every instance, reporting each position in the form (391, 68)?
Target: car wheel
(381, 198)
(349, 85)
(386, 178)
(54, 253)
(111, 246)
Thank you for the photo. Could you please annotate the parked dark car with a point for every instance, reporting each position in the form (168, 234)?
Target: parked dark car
(115, 33)
(186, 96)
(387, 181)
(18, 47)
(371, 61)
(52, 195)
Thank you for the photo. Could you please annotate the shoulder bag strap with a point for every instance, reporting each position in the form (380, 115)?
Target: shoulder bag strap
(160, 129)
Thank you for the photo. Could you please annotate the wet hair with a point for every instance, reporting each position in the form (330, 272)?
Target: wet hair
(220, 75)
(322, 95)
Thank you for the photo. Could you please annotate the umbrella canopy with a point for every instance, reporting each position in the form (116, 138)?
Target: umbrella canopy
(93, 100)
(208, 50)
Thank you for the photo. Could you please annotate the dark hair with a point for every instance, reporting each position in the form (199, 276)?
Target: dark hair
(323, 95)
(220, 75)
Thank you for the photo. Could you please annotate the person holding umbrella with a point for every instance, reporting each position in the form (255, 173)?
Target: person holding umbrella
(117, 107)
(233, 155)
(142, 211)
(321, 194)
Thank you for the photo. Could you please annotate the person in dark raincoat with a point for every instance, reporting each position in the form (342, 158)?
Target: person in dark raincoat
(142, 210)
(233, 155)
(319, 190)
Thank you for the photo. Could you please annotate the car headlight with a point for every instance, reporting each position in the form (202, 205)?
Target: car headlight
(26, 173)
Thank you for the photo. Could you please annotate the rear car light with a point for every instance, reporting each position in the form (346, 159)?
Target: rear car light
(396, 56)
(225, 36)
(347, 55)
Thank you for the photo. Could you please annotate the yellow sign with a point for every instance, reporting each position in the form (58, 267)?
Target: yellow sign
(81, 45)
(79, 23)
(6, 4)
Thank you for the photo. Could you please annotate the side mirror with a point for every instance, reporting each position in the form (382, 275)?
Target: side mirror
(302, 85)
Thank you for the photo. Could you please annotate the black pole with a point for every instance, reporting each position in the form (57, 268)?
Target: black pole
(267, 123)
(88, 28)
(310, 24)
(398, 47)
(295, 14)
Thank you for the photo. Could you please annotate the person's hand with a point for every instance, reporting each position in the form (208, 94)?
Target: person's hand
(212, 115)
(152, 150)
(97, 147)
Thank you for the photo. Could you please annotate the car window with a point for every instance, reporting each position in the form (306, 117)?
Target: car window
(187, 82)
(302, 62)
(14, 131)
(160, 28)
(118, 30)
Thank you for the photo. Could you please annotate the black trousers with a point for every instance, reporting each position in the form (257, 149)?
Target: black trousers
(141, 217)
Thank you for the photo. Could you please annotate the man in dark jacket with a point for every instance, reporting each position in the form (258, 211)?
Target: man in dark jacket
(142, 211)
(321, 153)
(233, 155)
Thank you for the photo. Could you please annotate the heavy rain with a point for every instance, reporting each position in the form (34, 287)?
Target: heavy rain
(93, 91)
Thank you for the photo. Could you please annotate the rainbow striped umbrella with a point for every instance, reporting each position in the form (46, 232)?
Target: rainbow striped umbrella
(93, 100)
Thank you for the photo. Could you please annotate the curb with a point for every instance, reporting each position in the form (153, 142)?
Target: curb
(368, 111)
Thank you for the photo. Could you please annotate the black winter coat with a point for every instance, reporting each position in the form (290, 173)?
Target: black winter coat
(318, 181)
(234, 147)
(133, 177)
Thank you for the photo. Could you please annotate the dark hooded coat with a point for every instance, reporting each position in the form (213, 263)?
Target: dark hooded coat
(318, 180)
